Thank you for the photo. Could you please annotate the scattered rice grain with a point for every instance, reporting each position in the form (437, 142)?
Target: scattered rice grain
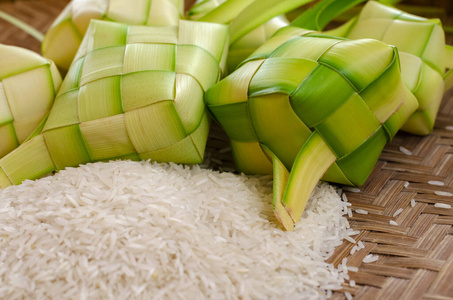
(405, 150)
(353, 232)
(344, 197)
(435, 182)
(351, 189)
(361, 211)
(350, 239)
(412, 202)
(360, 245)
(442, 193)
(370, 258)
(397, 212)
(393, 223)
(442, 205)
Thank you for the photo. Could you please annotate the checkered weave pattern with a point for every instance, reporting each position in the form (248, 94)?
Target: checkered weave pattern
(28, 85)
(421, 46)
(300, 83)
(66, 33)
(133, 92)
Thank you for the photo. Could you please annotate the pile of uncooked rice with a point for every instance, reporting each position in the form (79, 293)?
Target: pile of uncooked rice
(141, 230)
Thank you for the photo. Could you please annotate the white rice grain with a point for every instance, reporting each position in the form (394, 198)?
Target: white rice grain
(442, 193)
(397, 212)
(405, 150)
(370, 258)
(449, 127)
(353, 232)
(412, 202)
(435, 182)
(350, 239)
(442, 205)
(349, 213)
(351, 189)
(141, 230)
(360, 245)
(393, 223)
(344, 197)
(361, 211)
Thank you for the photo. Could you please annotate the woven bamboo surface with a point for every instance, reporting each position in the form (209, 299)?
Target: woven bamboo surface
(415, 257)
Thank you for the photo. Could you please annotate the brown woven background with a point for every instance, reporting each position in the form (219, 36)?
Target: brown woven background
(415, 256)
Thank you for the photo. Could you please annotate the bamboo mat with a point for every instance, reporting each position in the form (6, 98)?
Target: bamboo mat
(415, 257)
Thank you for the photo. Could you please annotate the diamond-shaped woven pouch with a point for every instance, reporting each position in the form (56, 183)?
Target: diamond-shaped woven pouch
(421, 44)
(316, 105)
(133, 92)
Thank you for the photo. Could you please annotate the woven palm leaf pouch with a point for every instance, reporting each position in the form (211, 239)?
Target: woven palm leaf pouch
(132, 92)
(306, 106)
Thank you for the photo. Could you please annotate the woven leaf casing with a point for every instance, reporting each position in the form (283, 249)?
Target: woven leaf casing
(130, 94)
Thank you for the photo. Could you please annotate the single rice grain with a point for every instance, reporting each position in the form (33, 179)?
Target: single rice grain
(442, 205)
(442, 193)
(370, 258)
(397, 212)
(405, 150)
(435, 182)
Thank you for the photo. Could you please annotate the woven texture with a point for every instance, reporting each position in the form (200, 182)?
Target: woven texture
(167, 77)
(415, 256)
(65, 35)
(312, 104)
(420, 44)
(264, 103)
(104, 111)
(22, 110)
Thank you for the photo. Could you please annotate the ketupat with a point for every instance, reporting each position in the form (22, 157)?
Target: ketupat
(306, 106)
(66, 33)
(420, 43)
(28, 85)
(133, 92)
